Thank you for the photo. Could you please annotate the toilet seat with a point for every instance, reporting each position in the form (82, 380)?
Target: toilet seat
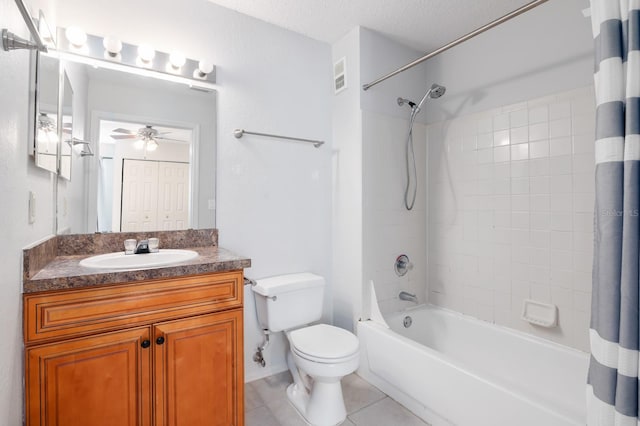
(324, 343)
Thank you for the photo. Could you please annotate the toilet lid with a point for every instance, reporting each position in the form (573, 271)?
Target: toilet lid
(324, 341)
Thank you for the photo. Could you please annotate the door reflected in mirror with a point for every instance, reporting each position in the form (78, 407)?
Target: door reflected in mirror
(144, 177)
(154, 144)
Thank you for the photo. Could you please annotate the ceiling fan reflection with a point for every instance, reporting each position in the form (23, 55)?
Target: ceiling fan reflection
(147, 137)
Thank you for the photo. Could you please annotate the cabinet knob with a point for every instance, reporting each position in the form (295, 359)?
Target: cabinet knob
(160, 340)
(145, 344)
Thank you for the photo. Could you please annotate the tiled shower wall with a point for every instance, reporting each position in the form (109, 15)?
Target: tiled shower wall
(510, 212)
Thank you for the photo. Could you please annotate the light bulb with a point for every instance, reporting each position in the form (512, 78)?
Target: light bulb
(204, 68)
(152, 145)
(146, 53)
(177, 60)
(139, 144)
(76, 36)
(112, 45)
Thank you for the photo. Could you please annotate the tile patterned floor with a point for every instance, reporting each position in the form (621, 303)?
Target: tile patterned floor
(266, 404)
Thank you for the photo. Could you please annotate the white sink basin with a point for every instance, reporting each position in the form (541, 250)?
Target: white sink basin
(120, 260)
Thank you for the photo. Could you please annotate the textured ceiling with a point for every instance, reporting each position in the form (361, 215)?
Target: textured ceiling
(422, 24)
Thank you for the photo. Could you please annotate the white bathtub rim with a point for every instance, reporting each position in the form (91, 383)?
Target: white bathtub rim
(511, 331)
(559, 412)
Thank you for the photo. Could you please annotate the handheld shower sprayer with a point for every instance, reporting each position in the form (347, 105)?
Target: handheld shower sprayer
(434, 92)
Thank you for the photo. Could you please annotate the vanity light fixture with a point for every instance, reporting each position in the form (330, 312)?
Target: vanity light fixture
(76, 36)
(111, 52)
(204, 68)
(112, 46)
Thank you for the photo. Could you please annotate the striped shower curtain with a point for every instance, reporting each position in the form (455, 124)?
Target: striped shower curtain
(612, 391)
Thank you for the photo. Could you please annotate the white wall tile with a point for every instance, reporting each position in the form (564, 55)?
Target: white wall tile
(560, 146)
(539, 167)
(584, 143)
(559, 110)
(539, 131)
(519, 135)
(484, 140)
(521, 227)
(519, 118)
(540, 239)
(485, 124)
(520, 186)
(561, 240)
(539, 184)
(560, 128)
(538, 114)
(562, 165)
(520, 152)
(501, 153)
(501, 122)
(539, 149)
(540, 203)
(519, 169)
(501, 137)
(520, 203)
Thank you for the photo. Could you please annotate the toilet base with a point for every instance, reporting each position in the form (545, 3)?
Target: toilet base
(323, 406)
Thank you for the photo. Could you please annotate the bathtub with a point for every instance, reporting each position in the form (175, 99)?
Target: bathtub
(451, 369)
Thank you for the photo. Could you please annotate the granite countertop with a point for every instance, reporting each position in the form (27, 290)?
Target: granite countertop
(60, 270)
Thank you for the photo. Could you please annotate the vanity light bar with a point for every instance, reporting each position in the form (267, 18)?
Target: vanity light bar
(138, 56)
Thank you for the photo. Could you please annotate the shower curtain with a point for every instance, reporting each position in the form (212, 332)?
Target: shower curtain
(612, 391)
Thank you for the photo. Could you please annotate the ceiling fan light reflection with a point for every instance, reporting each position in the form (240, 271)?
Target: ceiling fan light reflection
(139, 144)
(152, 145)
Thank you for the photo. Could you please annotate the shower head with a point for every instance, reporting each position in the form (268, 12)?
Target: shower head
(436, 91)
(402, 101)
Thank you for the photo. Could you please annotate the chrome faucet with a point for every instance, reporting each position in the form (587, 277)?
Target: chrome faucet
(408, 297)
(142, 247)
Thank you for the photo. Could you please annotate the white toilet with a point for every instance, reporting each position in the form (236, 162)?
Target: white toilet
(320, 354)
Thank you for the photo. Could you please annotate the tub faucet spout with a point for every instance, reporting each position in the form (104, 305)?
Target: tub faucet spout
(408, 296)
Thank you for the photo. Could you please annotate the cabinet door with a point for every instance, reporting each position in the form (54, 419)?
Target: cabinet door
(102, 380)
(198, 378)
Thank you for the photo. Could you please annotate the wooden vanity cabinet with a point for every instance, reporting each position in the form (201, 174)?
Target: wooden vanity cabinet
(174, 357)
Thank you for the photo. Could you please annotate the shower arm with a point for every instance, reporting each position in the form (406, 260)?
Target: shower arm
(456, 42)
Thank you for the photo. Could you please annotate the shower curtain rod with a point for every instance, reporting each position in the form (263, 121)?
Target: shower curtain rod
(456, 42)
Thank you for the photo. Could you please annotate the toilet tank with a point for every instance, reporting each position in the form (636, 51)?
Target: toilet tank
(288, 301)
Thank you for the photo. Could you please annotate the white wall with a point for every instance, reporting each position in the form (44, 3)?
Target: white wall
(18, 176)
(513, 221)
(273, 197)
(546, 50)
(347, 186)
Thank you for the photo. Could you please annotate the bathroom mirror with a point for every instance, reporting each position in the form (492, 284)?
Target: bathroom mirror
(46, 138)
(150, 160)
(66, 129)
